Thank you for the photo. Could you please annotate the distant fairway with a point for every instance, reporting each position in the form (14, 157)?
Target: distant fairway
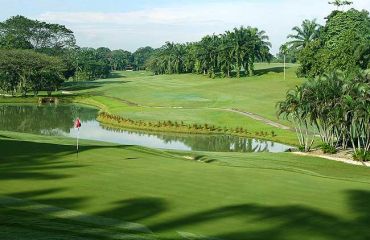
(194, 98)
(122, 192)
(257, 94)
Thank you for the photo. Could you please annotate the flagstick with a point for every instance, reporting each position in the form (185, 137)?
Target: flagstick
(78, 135)
(284, 68)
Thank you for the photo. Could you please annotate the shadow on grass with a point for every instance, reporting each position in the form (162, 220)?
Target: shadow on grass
(34, 215)
(4, 137)
(264, 71)
(134, 210)
(31, 160)
(274, 222)
(284, 222)
(43, 214)
(87, 85)
(117, 75)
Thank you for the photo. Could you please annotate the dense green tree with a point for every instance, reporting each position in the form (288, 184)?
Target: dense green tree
(344, 44)
(225, 56)
(346, 36)
(190, 60)
(313, 59)
(92, 63)
(214, 55)
(140, 57)
(120, 60)
(19, 32)
(27, 70)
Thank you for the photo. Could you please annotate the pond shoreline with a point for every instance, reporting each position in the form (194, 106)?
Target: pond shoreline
(182, 130)
(102, 108)
(57, 120)
(73, 99)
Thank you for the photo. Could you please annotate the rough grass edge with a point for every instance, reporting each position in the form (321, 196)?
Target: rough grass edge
(120, 123)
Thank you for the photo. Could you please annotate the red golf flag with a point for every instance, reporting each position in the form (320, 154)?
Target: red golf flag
(77, 123)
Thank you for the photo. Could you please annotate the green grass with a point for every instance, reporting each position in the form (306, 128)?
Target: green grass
(194, 98)
(191, 98)
(257, 94)
(47, 192)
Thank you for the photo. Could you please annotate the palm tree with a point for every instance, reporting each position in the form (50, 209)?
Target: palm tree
(225, 56)
(305, 34)
(178, 53)
(337, 106)
(240, 38)
(208, 53)
(296, 108)
(214, 54)
(260, 45)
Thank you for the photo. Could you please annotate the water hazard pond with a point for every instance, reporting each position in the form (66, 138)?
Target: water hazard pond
(57, 120)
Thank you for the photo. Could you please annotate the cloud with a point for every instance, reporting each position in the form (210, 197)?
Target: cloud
(154, 26)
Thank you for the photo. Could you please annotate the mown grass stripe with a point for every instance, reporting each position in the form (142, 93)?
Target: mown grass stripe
(57, 212)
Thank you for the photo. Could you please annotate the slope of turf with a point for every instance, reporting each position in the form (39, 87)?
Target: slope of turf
(257, 94)
(124, 192)
(194, 98)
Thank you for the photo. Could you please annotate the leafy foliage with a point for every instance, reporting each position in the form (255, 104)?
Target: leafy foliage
(26, 70)
(302, 36)
(22, 33)
(140, 57)
(235, 50)
(342, 44)
(91, 63)
(336, 106)
(326, 148)
(290, 54)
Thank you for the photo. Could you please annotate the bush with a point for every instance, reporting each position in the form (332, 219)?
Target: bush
(361, 155)
(302, 149)
(326, 148)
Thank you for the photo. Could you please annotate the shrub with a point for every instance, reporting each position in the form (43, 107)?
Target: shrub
(326, 148)
(361, 155)
(302, 148)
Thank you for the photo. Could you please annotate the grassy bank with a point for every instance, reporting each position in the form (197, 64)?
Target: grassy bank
(257, 94)
(181, 127)
(193, 99)
(188, 98)
(47, 192)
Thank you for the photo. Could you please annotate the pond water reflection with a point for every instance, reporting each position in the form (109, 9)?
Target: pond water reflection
(57, 120)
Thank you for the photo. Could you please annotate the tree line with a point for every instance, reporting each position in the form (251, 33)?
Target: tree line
(214, 55)
(343, 43)
(335, 106)
(90, 63)
(37, 56)
(335, 100)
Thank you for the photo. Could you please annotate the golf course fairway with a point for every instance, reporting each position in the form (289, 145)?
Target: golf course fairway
(109, 191)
